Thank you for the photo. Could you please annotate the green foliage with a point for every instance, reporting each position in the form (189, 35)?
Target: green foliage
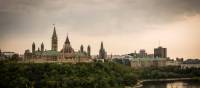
(167, 72)
(55, 75)
(82, 75)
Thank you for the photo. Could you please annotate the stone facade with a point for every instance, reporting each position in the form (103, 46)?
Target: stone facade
(67, 53)
(148, 62)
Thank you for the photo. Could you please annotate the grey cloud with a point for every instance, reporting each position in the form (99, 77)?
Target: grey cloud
(93, 17)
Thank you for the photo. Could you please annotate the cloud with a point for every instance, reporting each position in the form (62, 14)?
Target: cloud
(93, 17)
(25, 21)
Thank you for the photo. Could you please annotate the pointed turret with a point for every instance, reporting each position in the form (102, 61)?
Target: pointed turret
(89, 50)
(33, 48)
(81, 49)
(42, 47)
(102, 52)
(101, 45)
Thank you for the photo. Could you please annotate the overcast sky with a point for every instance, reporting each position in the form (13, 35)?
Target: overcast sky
(123, 25)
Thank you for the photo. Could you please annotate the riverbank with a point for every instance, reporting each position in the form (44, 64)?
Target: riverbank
(140, 82)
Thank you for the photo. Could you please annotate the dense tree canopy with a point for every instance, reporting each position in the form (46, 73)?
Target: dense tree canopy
(55, 75)
(82, 75)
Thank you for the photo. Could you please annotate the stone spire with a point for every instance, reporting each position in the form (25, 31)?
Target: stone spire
(54, 32)
(82, 49)
(42, 47)
(67, 40)
(67, 47)
(54, 42)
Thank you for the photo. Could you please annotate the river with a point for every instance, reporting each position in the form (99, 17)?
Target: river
(172, 84)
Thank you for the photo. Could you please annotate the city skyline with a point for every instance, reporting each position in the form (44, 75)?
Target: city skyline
(123, 25)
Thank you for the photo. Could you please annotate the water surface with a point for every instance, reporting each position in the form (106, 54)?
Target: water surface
(172, 84)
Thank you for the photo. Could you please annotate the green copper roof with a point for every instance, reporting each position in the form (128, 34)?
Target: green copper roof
(48, 53)
(51, 53)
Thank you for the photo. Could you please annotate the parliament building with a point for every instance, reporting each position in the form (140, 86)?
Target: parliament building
(67, 53)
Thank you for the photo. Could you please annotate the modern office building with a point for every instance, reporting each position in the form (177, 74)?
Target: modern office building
(160, 52)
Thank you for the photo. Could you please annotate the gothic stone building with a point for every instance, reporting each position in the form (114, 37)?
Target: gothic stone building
(66, 53)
